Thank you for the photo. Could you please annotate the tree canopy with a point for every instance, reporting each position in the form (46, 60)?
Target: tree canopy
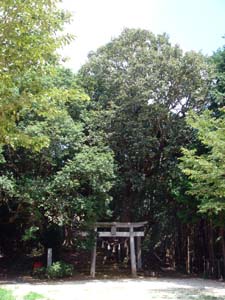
(30, 34)
(146, 86)
(204, 164)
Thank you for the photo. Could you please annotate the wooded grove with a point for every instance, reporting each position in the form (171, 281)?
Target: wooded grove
(137, 134)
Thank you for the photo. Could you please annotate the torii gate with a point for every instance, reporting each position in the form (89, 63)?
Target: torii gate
(125, 230)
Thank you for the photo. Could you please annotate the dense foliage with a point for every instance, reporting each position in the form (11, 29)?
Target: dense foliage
(203, 163)
(71, 176)
(206, 169)
(30, 34)
(53, 166)
(136, 135)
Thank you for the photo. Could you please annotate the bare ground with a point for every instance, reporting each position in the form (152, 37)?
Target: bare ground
(123, 289)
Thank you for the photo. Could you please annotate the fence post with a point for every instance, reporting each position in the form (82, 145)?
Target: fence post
(49, 257)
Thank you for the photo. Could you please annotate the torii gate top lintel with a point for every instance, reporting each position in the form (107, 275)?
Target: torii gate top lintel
(120, 224)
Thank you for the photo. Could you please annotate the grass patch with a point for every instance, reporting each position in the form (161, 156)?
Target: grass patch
(6, 295)
(33, 296)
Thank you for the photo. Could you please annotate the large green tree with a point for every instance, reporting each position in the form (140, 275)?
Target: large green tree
(218, 86)
(202, 189)
(203, 162)
(205, 169)
(146, 86)
(71, 177)
(30, 34)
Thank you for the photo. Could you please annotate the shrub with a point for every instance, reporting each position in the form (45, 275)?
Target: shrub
(59, 269)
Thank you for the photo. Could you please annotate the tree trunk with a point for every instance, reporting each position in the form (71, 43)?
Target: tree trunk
(188, 259)
(211, 248)
(69, 238)
(223, 247)
(127, 204)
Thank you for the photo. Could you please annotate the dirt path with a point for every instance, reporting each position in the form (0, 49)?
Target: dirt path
(125, 289)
